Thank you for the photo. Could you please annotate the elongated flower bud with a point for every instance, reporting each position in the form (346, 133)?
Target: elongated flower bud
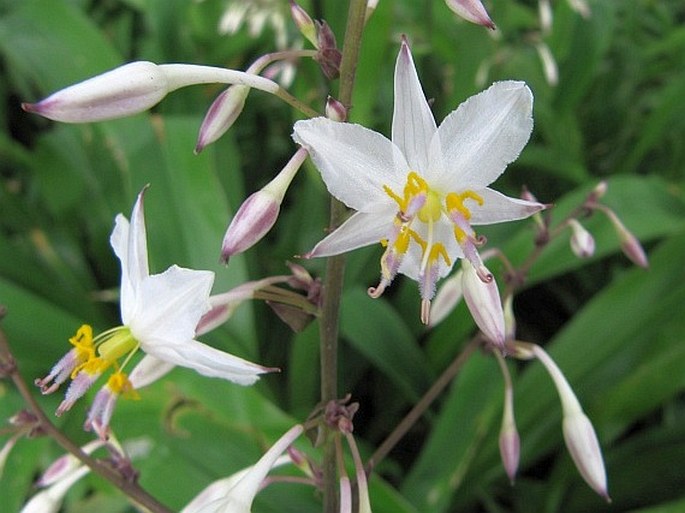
(582, 242)
(123, 91)
(221, 115)
(629, 244)
(259, 212)
(579, 435)
(471, 10)
(509, 440)
(484, 303)
(304, 23)
(447, 298)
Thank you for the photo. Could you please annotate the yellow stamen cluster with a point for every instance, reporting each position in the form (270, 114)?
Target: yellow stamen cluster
(98, 354)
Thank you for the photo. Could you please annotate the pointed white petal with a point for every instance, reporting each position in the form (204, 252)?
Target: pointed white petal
(149, 370)
(170, 305)
(413, 125)
(355, 162)
(129, 241)
(498, 208)
(207, 361)
(474, 144)
(358, 231)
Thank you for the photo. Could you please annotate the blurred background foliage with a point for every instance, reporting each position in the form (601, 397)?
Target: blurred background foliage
(617, 113)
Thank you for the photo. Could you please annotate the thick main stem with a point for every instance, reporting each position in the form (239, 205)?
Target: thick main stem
(335, 266)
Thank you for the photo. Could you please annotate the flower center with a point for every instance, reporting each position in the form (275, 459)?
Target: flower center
(98, 354)
(419, 201)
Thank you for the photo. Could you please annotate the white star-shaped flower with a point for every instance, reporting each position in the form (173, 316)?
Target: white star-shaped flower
(421, 193)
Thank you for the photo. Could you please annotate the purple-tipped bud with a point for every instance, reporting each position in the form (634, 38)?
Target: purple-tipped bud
(510, 449)
(484, 303)
(123, 91)
(471, 10)
(304, 23)
(259, 212)
(579, 434)
(581, 441)
(221, 115)
(328, 57)
(582, 242)
(335, 110)
(254, 219)
(63, 466)
(629, 244)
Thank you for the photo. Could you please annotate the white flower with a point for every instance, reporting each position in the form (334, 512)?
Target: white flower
(421, 193)
(236, 493)
(159, 313)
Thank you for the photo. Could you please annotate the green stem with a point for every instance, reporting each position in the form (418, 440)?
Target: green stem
(335, 266)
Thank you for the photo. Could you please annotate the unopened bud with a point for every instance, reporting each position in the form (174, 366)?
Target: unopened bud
(545, 15)
(328, 56)
(471, 10)
(581, 439)
(509, 318)
(370, 8)
(123, 91)
(629, 244)
(549, 64)
(582, 242)
(484, 303)
(335, 110)
(304, 23)
(259, 212)
(509, 441)
(221, 115)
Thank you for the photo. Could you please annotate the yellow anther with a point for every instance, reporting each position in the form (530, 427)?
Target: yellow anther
(419, 240)
(119, 383)
(92, 366)
(437, 251)
(460, 235)
(400, 201)
(402, 243)
(454, 201)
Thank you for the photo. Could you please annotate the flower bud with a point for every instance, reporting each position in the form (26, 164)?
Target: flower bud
(259, 212)
(579, 434)
(509, 441)
(484, 303)
(335, 110)
(545, 15)
(582, 242)
(629, 244)
(549, 64)
(304, 22)
(328, 57)
(509, 318)
(221, 115)
(471, 10)
(123, 91)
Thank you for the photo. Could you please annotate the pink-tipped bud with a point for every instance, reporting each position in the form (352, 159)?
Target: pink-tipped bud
(304, 23)
(123, 91)
(582, 242)
(483, 300)
(335, 110)
(259, 212)
(221, 115)
(471, 10)
(254, 219)
(629, 244)
(579, 434)
(581, 441)
(328, 56)
(509, 441)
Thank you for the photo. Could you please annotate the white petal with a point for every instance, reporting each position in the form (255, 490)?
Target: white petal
(170, 305)
(498, 208)
(359, 230)
(474, 144)
(149, 370)
(129, 241)
(208, 361)
(413, 125)
(355, 162)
